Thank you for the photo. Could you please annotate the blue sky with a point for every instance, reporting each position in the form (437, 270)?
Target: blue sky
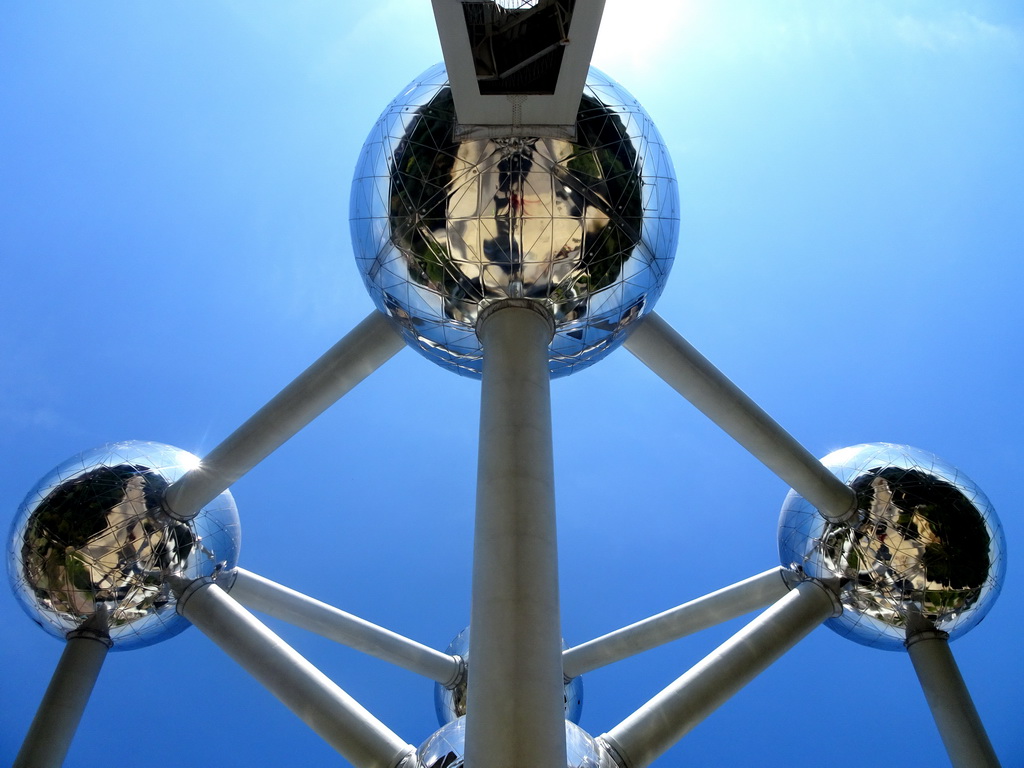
(173, 231)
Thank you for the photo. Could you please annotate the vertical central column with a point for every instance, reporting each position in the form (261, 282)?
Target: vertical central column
(515, 701)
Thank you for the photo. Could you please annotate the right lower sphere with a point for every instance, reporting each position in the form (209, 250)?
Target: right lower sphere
(926, 549)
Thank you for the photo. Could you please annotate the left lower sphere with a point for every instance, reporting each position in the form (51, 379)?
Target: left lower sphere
(91, 545)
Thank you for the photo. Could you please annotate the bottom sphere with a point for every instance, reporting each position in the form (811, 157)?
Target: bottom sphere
(447, 748)
(450, 703)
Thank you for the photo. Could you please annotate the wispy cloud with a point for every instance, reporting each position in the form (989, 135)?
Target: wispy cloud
(954, 31)
(31, 418)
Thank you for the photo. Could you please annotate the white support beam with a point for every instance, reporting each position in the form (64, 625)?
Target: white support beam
(368, 346)
(260, 594)
(684, 369)
(335, 716)
(642, 737)
(723, 605)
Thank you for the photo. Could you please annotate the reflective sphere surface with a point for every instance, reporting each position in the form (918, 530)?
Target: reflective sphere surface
(450, 703)
(927, 545)
(91, 545)
(443, 224)
(447, 748)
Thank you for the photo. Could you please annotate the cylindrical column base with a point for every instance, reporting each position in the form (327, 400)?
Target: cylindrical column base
(959, 725)
(60, 711)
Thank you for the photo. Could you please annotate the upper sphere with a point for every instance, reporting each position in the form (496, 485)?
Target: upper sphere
(91, 546)
(443, 224)
(926, 548)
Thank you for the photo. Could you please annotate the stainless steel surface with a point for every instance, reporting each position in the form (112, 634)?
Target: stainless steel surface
(714, 608)
(92, 543)
(926, 542)
(956, 717)
(691, 374)
(516, 686)
(450, 700)
(446, 748)
(339, 719)
(259, 594)
(443, 226)
(53, 727)
(643, 736)
(364, 349)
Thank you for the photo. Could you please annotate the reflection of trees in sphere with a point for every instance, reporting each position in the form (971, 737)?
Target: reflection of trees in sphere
(91, 545)
(927, 546)
(447, 748)
(444, 224)
(450, 703)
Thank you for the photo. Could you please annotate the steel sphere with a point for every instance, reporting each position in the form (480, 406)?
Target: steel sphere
(446, 748)
(450, 703)
(91, 546)
(926, 548)
(444, 223)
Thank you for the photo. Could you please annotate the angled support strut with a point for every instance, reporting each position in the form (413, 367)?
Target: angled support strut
(266, 596)
(368, 346)
(643, 736)
(335, 716)
(691, 374)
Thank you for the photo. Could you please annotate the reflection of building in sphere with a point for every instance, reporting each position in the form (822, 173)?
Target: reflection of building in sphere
(450, 703)
(927, 545)
(91, 544)
(447, 748)
(444, 224)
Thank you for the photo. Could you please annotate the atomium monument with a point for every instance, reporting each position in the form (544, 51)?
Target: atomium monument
(514, 215)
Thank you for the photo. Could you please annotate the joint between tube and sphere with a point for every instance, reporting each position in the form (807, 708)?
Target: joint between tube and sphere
(925, 634)
(89, 633)
(613, 750)
(829, 591)
(534, 305)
